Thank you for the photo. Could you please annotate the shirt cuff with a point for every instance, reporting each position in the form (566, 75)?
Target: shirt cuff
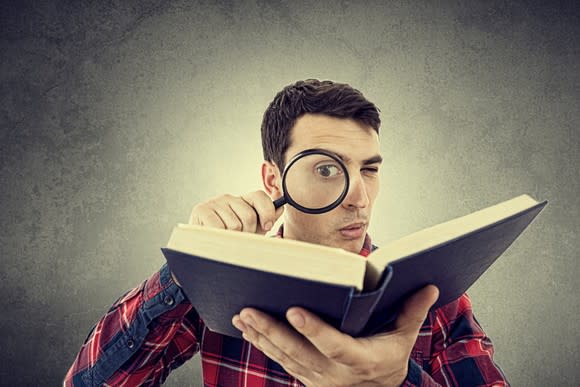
(162, 295)
(413, 374)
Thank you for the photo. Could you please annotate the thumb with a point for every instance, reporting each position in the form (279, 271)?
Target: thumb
(278, 213)
(415, 309)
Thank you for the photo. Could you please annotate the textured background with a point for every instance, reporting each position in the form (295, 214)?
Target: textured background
(117, 117)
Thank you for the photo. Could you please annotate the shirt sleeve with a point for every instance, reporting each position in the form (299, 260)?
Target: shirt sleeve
(461, 352)
(146, 333)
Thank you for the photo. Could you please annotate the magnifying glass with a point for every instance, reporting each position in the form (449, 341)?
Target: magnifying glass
(314, 181)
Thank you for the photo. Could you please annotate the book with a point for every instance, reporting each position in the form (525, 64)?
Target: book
(223, 271)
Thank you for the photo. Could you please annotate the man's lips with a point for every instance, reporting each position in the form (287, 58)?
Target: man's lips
(353, 230)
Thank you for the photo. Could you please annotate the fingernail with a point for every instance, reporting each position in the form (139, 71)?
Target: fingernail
(237, 322)
(296, 319)
(268, 226)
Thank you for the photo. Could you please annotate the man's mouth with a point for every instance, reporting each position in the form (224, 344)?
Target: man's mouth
(353, 230)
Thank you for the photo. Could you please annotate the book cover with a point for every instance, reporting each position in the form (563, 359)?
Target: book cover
(219, 290)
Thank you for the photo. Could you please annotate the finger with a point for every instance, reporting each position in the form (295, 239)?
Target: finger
(264, 207)
(204, 216)
(415, 309)
(246, 214)
(228, 216)
(293, 367)
(283, 341)
(329, 341)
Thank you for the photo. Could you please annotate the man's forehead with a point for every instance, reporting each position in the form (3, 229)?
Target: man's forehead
(349, 139)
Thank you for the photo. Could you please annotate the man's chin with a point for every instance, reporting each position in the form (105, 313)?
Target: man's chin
(352, 245)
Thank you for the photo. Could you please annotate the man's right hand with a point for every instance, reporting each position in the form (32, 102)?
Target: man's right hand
(251, 212)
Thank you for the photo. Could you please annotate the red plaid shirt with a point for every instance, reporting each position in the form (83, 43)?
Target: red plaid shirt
(153, 329)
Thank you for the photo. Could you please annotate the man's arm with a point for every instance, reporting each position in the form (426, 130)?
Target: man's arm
(461, 352)
(148, 332)
(153, 328)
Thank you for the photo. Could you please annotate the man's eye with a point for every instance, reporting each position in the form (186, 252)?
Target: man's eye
(327, 170)
(372, 170)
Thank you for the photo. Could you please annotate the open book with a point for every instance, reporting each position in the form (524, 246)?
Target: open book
(223, 271)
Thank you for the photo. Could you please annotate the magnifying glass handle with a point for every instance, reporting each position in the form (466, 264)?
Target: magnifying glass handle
(279, 202)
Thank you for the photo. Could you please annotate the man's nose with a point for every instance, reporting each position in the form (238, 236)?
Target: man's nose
(357, 193)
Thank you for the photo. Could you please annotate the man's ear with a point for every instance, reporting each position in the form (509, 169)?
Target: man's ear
(272, 179)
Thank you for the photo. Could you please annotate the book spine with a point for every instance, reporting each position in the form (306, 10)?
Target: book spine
(360, 307)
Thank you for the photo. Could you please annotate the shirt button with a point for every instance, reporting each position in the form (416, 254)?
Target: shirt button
(130, 343)
(168, 300)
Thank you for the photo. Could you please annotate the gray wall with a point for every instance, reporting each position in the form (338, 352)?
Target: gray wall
(118, 117)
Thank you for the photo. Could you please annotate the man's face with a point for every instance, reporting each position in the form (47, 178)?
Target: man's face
(358, 146)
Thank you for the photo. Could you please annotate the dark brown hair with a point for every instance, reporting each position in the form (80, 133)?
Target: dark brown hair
(311, 96)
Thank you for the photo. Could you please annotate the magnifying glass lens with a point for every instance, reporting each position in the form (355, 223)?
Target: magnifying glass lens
(315, 181)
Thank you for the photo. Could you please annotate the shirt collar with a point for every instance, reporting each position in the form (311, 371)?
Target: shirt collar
(364, 251)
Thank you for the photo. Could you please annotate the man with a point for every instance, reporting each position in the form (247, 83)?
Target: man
(154, 329)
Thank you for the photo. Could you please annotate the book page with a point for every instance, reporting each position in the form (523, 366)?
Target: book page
(276, 255)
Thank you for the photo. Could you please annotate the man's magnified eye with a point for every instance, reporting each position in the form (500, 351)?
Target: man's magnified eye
(328, 170)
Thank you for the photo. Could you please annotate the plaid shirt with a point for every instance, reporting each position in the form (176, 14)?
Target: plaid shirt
(153, 329)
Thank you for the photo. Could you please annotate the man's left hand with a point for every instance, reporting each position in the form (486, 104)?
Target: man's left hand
(319, 355)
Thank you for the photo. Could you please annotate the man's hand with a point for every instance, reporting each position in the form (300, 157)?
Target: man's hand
(252, 212)
(319, 355)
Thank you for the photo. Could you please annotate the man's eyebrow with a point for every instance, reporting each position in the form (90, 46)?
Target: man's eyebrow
(377, 159)
(373, 160)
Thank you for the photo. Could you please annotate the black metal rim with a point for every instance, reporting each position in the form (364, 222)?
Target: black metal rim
(320, 210)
